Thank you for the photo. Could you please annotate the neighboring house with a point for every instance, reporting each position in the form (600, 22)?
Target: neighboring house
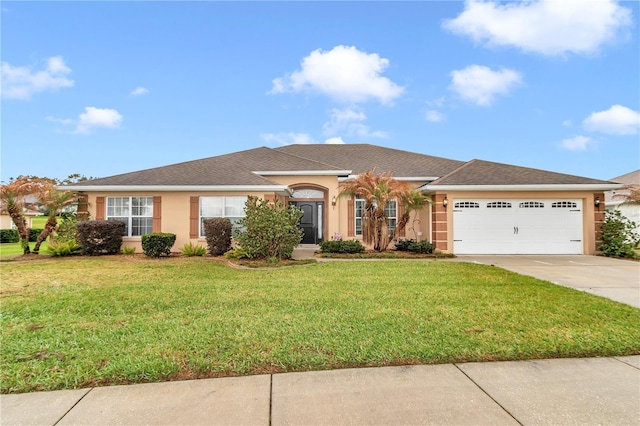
(479, 207)
(30, 211)
(616, 199)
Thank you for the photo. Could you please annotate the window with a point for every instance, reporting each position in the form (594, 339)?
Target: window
(390, 211)
(531, 205)
(135, 212)
(564, 205)
(230, 207)
(466, 205)
(498, 205)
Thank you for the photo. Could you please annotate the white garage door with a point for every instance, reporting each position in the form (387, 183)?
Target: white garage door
(517, 226)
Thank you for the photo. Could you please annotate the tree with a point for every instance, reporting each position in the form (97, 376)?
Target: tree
(54, 201)
(270, 229)
(378, 190)
(619, 237)
(630, 194)
(14, 197)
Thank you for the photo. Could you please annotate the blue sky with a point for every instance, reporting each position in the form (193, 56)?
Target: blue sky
(110, 87)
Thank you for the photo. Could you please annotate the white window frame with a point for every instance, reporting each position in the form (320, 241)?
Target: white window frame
(225, 205)
(359, 204)
(127, 215)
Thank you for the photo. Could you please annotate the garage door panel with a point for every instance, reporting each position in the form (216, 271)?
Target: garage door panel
(518, 227)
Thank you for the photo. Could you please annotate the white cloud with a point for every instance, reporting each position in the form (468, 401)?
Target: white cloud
(343, 73)
(349, 121)
(139, 91)
(335, 141)
(480, 84)
(577, 143)
(289, 138)
(435, 116)
(436, 102)
(617, 120)
(548, 27)
(97, 117)
(567, 123)
(63, 121)
(23, 82)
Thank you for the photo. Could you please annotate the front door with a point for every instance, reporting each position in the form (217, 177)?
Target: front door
(312, 220)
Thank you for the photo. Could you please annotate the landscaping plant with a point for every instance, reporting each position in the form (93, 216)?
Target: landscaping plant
(619, 237)
(157, 244)
(270, 229)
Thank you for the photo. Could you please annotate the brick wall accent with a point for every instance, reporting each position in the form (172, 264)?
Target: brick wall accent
(439, 236)
(598, 217)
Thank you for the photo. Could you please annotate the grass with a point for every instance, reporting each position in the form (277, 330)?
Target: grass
(87, 321)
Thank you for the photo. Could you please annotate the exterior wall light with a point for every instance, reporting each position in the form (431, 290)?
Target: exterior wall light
(597, 202)
(445, 202)
(334, 201)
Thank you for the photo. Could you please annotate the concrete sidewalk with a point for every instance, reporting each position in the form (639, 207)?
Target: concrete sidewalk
(540, 392)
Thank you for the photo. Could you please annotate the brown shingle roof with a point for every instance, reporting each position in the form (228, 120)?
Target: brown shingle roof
(632, 178)
(361, 158)
(479, 172)
(229, 169)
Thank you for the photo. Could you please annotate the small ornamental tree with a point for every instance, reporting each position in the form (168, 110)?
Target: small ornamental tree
(619, 237)
(270, 230)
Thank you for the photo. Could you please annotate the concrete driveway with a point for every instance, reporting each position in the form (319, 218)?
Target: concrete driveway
(615, 279)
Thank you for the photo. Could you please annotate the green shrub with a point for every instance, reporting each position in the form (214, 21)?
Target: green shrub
(619, 237)
(158, 244)
(64, 248)
(236, 254)
(341, 246)
(128, 250)
(270, 229)
(190, 249)
(9, 236)
(67, 227)
(412, 246)
(33, 234)
(99, 237)
(217, 231)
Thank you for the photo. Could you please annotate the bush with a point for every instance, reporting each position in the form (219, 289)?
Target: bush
(9, 236)
(33, 234)
(67, 227)
(341, 246)
(236, 254)
(190, 249)
(422, 247)
(100, 236)
(157, 244)
(271, 229)
(217, 231)
(64, 248)
(129, 251)
(619, 237)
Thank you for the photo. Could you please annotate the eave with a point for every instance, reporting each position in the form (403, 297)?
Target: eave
(280, 189)
(533, 187)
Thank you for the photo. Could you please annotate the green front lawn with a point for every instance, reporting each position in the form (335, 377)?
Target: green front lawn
(85, 321)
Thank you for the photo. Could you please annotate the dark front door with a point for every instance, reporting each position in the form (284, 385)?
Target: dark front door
(311, 222)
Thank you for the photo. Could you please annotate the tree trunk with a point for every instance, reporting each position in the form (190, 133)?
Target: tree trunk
(49, 227)
(21, 224)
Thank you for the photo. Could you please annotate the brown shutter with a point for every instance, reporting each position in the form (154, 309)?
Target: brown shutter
(194, 218)
(401, 211)
(100, 213)
(351, 218)
(157, 214)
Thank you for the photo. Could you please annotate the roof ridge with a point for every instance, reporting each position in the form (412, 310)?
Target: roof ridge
(454, 171)
(304, 158)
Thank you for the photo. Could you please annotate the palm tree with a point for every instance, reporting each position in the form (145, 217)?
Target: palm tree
(13, 195)
(378, 190)
(54, 201)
